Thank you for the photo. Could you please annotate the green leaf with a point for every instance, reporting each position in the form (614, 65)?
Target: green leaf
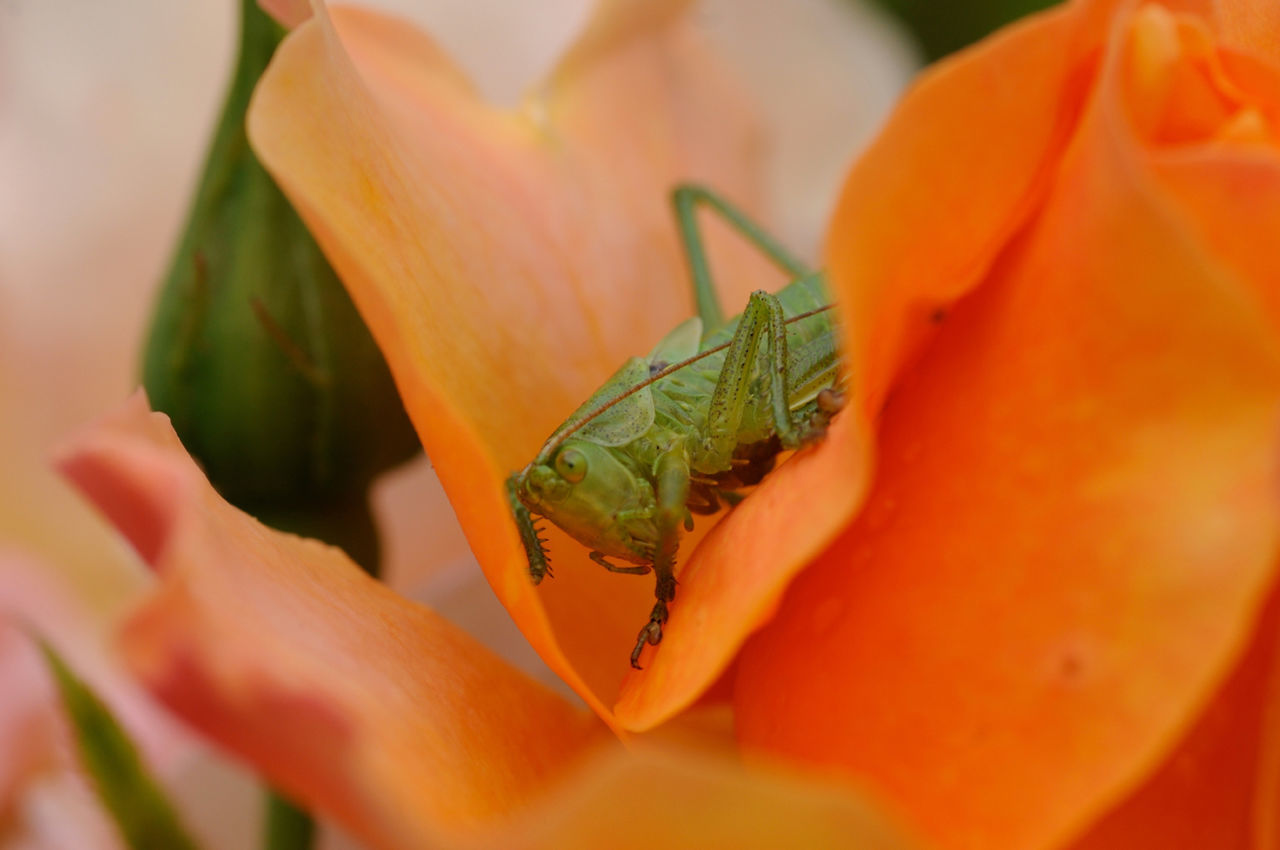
(143, 814)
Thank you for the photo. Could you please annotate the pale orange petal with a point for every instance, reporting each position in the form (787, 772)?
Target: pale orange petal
(355, 701)
(289, 13)
(679, 800)
(61, 812)
(1073, 526)
(508, 262)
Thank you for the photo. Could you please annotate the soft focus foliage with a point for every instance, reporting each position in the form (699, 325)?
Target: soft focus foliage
(138, 806)
(943, 28)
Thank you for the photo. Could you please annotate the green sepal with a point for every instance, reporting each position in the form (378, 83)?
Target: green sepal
(255, 350)
(137, 804)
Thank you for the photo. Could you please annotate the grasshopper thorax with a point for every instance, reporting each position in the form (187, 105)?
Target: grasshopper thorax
(588, 491)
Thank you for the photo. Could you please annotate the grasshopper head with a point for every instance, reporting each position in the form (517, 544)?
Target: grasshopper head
(585, 490)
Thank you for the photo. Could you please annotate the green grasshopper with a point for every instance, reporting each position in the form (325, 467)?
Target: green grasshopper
(675, 433)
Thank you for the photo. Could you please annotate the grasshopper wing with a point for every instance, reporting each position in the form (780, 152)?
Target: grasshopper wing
(631, 417)
(624, 421)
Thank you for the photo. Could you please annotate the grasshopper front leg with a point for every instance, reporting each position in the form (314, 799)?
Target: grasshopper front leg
(539, 563)
(672, 493)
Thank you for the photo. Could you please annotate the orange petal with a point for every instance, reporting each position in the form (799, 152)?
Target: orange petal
(1266, 790)
(353, 700)
(1227, 181)
(1208, 791)
(683, 801)
(1072, 528)
(1252, 25)
(965, 158)
(508, 262)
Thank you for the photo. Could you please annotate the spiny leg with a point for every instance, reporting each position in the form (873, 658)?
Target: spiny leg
(686, 198)
(539, 563)
(651, 634)
(672, 493)
(761, 323)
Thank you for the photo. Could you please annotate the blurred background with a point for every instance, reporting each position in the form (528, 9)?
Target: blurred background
(105, 113)
(940, 27)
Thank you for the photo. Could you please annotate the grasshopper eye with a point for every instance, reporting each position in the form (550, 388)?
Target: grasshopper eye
(572, 465)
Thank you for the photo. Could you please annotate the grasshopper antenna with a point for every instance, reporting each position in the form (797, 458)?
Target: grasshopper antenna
(658, 376)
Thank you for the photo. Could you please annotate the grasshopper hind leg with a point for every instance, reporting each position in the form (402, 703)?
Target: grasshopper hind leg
(686, 198)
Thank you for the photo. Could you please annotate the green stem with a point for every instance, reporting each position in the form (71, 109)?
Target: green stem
(287, 826)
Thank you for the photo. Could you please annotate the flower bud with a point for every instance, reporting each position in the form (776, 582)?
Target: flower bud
(257, 353)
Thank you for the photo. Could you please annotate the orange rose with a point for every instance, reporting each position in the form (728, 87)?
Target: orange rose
(459, 229)
(358, 703)
(1034, 555)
